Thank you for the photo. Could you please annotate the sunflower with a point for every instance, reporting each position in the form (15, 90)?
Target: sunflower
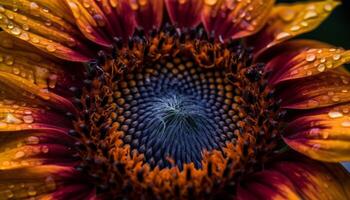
(173, 99)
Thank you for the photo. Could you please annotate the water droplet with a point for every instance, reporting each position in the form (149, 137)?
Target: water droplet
(2, 9)
(45, 149)
(210, 2)
(19, 154)
(24, 36)
(310, 14)
(16, 31)
(28, 119)
(32, 140)
(335, 99)
(50, 183)
(35, 40)
(313, 103)
(304, 24)
(50, 48)
(31, 191)
(321, 67)
(335, 114)
(12, 119)
(9, 194)
(9, 60)
(336, 56)
(346, 124)
(15, 70)
(282, 35)
(3, 125)
(310, 57)
(295, 28)
(325, 135)
(33, 5)
(288, 15)
(328, 7)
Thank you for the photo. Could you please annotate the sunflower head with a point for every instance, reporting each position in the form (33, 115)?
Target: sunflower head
(171, 99)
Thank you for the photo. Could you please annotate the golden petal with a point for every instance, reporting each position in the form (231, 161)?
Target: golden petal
(235, 19)
(35, 24)
(290, 20)
(322, 134)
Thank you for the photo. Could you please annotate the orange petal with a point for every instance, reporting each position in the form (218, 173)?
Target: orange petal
(26, 183)
(235, 19)
(100, 21)
(20, 87)
(185, 13)
(272, 185)
(317, 91)
(298, 178)
(305, 62)
(148, 13)
(289, 20)
(35, 24)
(322, 134)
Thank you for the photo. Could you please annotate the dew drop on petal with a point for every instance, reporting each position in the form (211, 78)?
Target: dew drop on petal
(295, 28)
(313, 103)
(210, 2)
(28, 119)
(310, 14)
(45, 149)
(310, 57)
(16, 31)
(346, 124)
(51, 48)
(335, 114)
(288, 15)
(328, 7)
(11, 119)
(321, 67)
(282, 35)
(19, 154)
(50, 183)
(31, 191)
(32, 140)
(336, 56)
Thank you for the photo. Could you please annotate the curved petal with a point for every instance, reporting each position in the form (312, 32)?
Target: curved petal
(185, 13)
(235, 19)
(317, 91)
(322, 134)
(298, 178)
(148, 14)
(34, 23)
(289, 20)
(304, 61)
(35, 182)
(100, 21)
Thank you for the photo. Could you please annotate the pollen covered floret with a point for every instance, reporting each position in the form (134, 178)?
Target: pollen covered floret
(178, 114)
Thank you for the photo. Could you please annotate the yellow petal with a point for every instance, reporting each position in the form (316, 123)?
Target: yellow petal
(296, 177)
(306, 62)
(35, 24)
(25, 183)
(235, 19)
(290, 20)
(322, 134)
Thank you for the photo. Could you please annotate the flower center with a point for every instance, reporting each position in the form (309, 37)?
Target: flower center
(178, 106)
(174, 111)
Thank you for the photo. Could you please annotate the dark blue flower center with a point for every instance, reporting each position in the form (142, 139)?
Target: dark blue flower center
(174, 111)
